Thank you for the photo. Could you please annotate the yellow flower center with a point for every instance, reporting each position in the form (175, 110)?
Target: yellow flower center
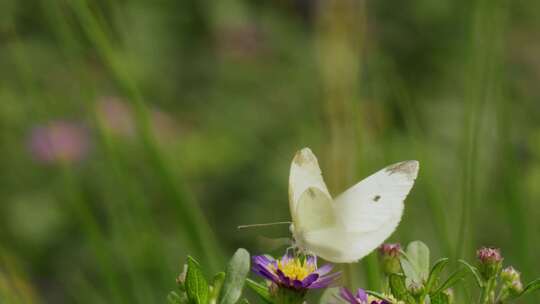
(295, 269)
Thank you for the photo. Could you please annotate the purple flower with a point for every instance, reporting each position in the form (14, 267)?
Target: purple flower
(361, 297)
(59, 141)
(293, 272)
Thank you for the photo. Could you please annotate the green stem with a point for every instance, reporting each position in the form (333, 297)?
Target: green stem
(487, 292)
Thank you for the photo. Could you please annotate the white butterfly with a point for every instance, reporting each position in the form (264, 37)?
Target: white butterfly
(347, 228)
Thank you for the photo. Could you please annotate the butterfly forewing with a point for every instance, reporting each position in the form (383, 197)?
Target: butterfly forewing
(378, 199)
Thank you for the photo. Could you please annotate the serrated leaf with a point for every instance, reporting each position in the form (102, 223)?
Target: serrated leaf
(435, 273)
(532, 286)
(452, 280)
(235, 277)
(261, 290)
(418, 256)
(474, 271)
(196, 286)
(217, 283)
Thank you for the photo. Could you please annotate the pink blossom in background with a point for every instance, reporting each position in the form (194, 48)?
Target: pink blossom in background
(116, 116)
(59, 141)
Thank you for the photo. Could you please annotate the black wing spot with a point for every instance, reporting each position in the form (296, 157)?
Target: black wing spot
(376, 198)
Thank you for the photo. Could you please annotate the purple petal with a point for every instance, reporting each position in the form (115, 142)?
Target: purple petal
(284, 279)
(262, 260)
(298, 284)
(361, 295)
(323, 282)
(347, 295)
(265, 272)
(324, 269)
(311, 260)
(310, 279)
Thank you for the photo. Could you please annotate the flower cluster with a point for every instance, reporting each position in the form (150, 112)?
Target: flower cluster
(290, 278)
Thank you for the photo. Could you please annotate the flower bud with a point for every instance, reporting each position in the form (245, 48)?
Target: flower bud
(511, 281)
(515, 288)
(490, 261)
(390, 258)
(509, 275)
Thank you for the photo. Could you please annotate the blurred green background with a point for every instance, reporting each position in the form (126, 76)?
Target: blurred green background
(133, 133)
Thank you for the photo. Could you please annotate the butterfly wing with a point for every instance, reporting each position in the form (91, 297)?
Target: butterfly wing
(318, 230)
(305, 173)
(377, 200)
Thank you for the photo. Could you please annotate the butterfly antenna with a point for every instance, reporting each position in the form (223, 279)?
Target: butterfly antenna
(263, 225)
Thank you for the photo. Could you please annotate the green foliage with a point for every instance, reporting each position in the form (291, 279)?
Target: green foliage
(475, 272)
(226, 287)
(411, 286)
(417, 254)
(217, 284)
(197, 289)
(532, 286)
(235, 277)
(260, 290)
(435, 273)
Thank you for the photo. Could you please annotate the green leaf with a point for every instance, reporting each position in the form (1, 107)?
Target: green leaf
(435, 273)
(196, 286)
(532, 286)
(235, 277)
(452, 280)
(475, 272)
(409, 270)
(398, 287)
(440, 298)
(217, 283)
(261, 290)
(418, 256)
